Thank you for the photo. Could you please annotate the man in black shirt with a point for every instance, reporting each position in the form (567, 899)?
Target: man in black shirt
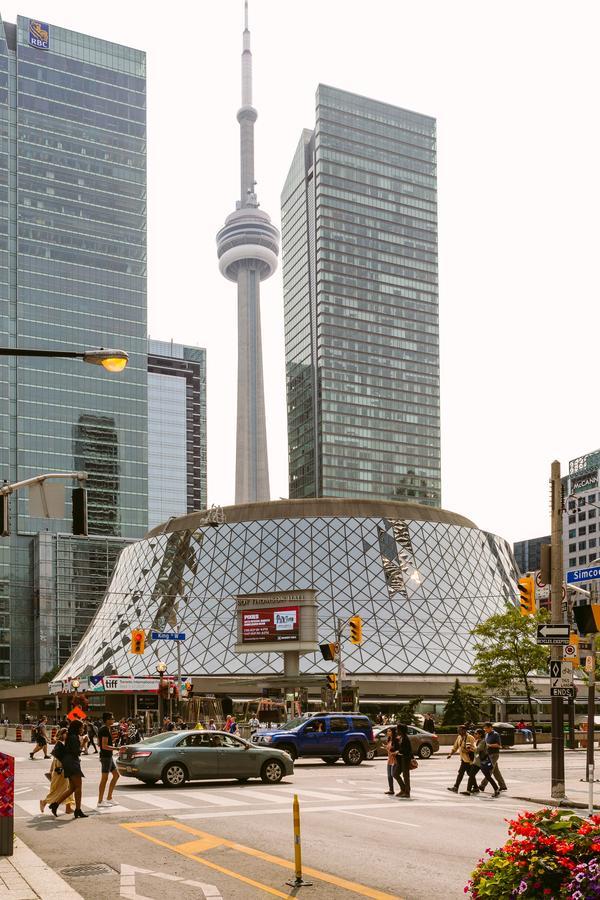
(107, 762)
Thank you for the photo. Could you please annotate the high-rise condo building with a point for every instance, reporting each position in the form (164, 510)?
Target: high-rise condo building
(176, 430)
(72, 277)
(247, 247)
(359, 241)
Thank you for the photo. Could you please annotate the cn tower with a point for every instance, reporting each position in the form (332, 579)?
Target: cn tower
(247, 247)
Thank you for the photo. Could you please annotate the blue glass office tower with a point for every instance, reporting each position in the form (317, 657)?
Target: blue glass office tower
(72, 276)
(359, 242)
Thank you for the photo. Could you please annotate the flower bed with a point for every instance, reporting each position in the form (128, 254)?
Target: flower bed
(551, 854)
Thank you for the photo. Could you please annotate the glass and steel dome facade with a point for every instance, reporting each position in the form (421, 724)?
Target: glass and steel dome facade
(420, 577)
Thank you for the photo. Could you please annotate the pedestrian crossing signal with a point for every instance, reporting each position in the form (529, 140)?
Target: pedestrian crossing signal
(356, 630)
(527, 591)
(138, 641)
(332, 682)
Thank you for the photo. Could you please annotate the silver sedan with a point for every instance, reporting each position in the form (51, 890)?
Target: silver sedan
(179, 756)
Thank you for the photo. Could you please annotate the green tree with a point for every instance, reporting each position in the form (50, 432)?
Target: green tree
(463, 705)
(406, 712)
(507, 653)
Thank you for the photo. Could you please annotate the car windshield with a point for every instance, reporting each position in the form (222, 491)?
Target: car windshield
(293, 723)
(158, 738)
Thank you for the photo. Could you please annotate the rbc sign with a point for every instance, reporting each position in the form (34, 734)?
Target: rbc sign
(39, 35)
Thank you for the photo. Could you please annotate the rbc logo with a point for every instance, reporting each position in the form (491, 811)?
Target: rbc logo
(39, 35)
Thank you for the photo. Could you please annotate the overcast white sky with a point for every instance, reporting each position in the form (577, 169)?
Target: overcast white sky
(514, 87)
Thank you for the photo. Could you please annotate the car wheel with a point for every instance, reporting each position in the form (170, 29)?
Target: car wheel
(425, 751)
(330, 760)
(353, 755)
(272, 772)
(289, 749)
(370, 755)
(174, 775)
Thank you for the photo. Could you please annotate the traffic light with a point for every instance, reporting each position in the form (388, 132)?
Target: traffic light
(527, 591)
(332, 682)
(4, 522)
(546, 564)
(138, 641)
(328, 652)
(587, 618)
(356, 630)
(80, 517)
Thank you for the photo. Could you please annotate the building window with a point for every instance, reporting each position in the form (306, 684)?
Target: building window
(582, 531)
(572, 561)
(581, 517)
(592, 529)
(572, 532)
(592, 514)
(582, 560)
(572, 548)
(592, 543)
(571, 519)
(582, 545)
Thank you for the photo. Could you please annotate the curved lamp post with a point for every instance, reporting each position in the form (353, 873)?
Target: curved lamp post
(111, 360)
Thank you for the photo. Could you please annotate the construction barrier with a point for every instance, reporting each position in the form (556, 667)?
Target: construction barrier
(19, 734)
(7, 804)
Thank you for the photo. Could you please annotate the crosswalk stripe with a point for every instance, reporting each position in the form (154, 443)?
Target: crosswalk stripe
(160, 801)
(318, 795)
(30, 806)
(216, 799)
(270, 796)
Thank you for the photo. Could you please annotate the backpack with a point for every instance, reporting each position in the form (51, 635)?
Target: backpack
(58, 751)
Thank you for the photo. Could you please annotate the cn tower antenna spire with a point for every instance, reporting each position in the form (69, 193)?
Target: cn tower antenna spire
(247, 247)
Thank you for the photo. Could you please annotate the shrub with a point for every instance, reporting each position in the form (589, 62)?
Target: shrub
(546, 852)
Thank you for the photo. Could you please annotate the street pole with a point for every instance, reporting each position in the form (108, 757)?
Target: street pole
(178, 694)
(556, 653)
(338, 639)
(590, 728)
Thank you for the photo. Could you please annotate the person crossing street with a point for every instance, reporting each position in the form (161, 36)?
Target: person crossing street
(465, 746)
(494, 745)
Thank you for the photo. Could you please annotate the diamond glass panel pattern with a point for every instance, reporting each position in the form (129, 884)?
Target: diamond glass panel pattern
(449, 578)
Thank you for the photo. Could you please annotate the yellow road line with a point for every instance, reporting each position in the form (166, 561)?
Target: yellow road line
(205, 841)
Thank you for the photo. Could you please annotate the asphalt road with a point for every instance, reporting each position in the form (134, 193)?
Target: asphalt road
(231, 840)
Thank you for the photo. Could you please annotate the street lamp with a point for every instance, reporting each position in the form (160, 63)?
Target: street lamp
(111, 360)
(161, 668)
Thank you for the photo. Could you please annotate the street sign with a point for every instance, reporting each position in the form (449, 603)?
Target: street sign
(569, 692)
(592, 573)
(570, 651)
(550, 633)
(589, 664)
(561, 674)
(167, 635)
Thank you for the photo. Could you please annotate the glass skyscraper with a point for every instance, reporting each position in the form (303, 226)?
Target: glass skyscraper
(176, 430)
(359, 239)
(73, 277)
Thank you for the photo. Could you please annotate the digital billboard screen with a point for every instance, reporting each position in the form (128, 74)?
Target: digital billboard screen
(270, 625)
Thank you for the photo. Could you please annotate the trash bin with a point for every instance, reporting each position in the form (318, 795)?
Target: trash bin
(506, 732)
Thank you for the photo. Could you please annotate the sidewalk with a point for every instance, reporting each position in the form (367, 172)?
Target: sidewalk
(576, 793)
(24, 876)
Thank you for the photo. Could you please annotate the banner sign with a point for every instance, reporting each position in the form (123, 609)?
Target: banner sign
(130, 685)
(270, 625)
(39, 35)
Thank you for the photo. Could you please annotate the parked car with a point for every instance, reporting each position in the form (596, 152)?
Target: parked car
(423, 743)
(328, 736)
(179, 756)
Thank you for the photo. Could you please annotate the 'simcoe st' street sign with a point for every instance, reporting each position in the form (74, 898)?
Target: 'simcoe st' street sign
(592, 573)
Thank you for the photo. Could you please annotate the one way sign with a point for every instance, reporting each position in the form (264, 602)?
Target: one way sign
(551, 633)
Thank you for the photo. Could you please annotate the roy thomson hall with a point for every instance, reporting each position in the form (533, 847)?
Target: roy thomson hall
(269, 583)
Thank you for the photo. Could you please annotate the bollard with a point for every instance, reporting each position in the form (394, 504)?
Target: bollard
(7, 804)
(19, 734)
(298, 881)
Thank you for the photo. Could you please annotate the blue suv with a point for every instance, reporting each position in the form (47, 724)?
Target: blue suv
(328, 736)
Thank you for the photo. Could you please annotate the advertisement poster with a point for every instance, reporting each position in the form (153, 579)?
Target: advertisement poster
(270, 625)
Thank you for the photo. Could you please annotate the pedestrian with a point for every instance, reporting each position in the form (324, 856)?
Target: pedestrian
(228, 722)
(494, 745)
(211, 725)
(465, 746)
(393, 747)
(428, 723)
(254, 724)
(107, 763)
(72, 770)
(58, 782)
(405, 763)
(525, 731)
(232, 726)
(41, 738)
(483, 761)
(92, 733)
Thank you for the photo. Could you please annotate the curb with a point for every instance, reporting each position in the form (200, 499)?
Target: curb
(41, 878)
(563, 804)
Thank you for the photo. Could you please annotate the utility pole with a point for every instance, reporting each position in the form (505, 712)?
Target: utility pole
(590, 731)
(556, 653)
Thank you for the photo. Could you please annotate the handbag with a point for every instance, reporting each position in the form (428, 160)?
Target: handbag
(413, 764)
